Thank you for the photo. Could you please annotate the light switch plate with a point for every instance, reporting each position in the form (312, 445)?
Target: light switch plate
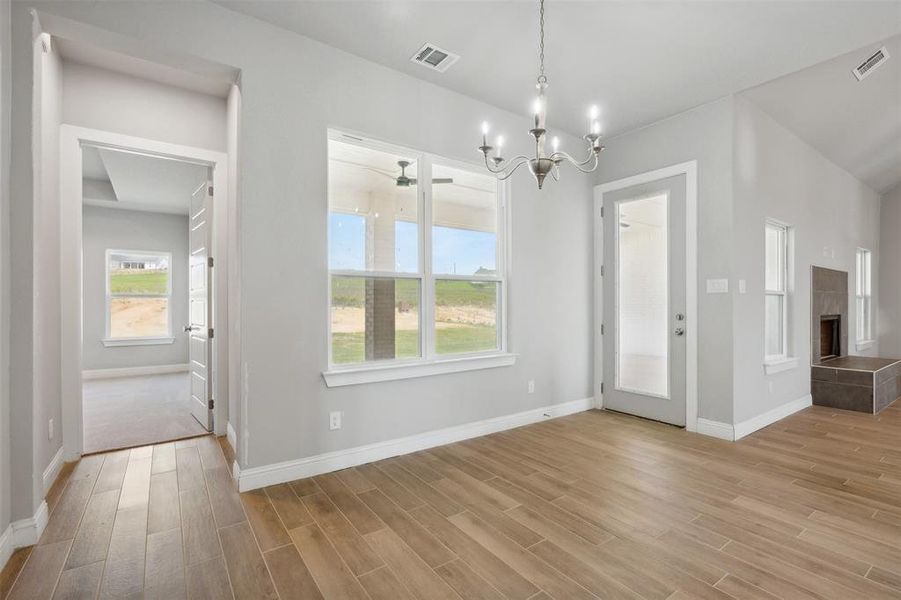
(742, 286)
(717, 286)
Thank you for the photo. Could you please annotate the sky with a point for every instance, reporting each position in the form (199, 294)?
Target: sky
(455, 251)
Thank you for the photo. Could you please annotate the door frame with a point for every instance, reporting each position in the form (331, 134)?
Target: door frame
(690, 170)
(72, 138)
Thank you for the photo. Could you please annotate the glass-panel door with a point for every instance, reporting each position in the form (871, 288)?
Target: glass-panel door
(644, 300)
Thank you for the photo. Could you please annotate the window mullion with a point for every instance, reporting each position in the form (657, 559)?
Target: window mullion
(427, 310)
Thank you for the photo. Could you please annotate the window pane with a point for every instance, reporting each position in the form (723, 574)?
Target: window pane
(139, 317)
(372, 210)
(464, 222)
(642, 302)
(465, 316)
(773, 326)
(374, 318)
(138, 274)
(775, 258)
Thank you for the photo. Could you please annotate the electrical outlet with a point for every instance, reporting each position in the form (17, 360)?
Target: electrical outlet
(531, 386)
(50, 429)
(334, 420)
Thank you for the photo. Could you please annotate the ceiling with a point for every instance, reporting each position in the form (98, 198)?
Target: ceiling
(639, 61)
(125, 180)
(855, 124)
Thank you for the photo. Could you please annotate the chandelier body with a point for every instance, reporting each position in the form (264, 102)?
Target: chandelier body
(542, 164)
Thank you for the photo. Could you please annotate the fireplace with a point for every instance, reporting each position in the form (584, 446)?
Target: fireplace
(830, 336)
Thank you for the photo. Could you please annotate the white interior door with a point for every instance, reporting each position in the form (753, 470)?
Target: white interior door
(644, 349)
(200, 328)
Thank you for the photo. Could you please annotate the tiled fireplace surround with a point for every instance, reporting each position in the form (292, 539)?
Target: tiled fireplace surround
(848, 382)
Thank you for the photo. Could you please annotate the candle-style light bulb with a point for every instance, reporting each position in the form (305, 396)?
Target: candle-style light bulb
(593, 113)
(485, 128)
(555, 143)
(596, 127)
(499, 144)
(536, 110)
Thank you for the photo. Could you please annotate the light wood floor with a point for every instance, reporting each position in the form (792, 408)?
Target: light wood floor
(592, 505)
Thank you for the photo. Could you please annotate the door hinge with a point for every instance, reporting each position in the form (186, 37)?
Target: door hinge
(209, 261)
(602, 270)
(602, 329)
(210, 333)
(210, 190)
(602, 212)
(602, 387)
(211, 403)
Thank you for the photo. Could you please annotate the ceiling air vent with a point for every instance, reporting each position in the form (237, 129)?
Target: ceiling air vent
(435, 58)
(870, 64)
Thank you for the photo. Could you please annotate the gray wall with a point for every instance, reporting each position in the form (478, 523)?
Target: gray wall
(889, 323)
(109, 228)
(283, 234)
(703, 134)
(779, 176)
(5, 83)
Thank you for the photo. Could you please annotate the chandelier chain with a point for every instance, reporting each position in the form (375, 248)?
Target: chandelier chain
(542, 78)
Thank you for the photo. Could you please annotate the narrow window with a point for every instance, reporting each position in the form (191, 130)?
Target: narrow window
(864, 295)
(138, 294)
(776, 292)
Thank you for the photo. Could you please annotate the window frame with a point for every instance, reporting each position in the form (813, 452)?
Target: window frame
(864, 279)
(785, 231)
(429, 362)
(108, 339)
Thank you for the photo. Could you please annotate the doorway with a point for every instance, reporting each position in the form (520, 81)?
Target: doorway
(146, 297)
(646, 298)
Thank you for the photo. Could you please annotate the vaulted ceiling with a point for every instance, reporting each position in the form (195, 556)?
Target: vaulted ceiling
(640, 61)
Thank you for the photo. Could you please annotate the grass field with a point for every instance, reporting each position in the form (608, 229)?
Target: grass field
(349, 347)
(350, 291)
(138, 282)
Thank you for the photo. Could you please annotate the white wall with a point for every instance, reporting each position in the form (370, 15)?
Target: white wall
(703, 134)
(285, 116)
(779, 176)
(111, 101)
(889, 320)
(109, 228)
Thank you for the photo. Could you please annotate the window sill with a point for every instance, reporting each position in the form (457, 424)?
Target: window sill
(778, 366)
(157, 341)
(865, 345)
(338, 377)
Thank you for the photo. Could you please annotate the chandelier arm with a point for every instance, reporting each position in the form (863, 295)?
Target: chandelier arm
(521, 161)
(593, 158)
(506, 163)
(558, 155)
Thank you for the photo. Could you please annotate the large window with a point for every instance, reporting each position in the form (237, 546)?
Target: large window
(864, 295)
(400, 290)
(138, 295)
(776, 291)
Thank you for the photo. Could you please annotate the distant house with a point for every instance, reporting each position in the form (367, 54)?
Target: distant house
(484, 271)
(150, 263)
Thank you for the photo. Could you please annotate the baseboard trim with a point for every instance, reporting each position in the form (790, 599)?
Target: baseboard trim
(231, 436)
(257, 477)
(6, 546)
(24, 532)
(27, 532)
(133, 371)
(717, 429)
(52, 470)
(771, 416)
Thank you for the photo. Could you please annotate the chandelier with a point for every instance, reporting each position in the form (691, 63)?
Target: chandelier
(542, 164)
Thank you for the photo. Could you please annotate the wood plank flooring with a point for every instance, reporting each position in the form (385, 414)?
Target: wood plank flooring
(595, 505)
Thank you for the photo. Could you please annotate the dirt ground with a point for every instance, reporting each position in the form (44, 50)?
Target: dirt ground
(138, 317)
(348, 319)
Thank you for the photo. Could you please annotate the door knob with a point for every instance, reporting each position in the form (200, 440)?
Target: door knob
(680, 317)
(679, 331)
(188, 329)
